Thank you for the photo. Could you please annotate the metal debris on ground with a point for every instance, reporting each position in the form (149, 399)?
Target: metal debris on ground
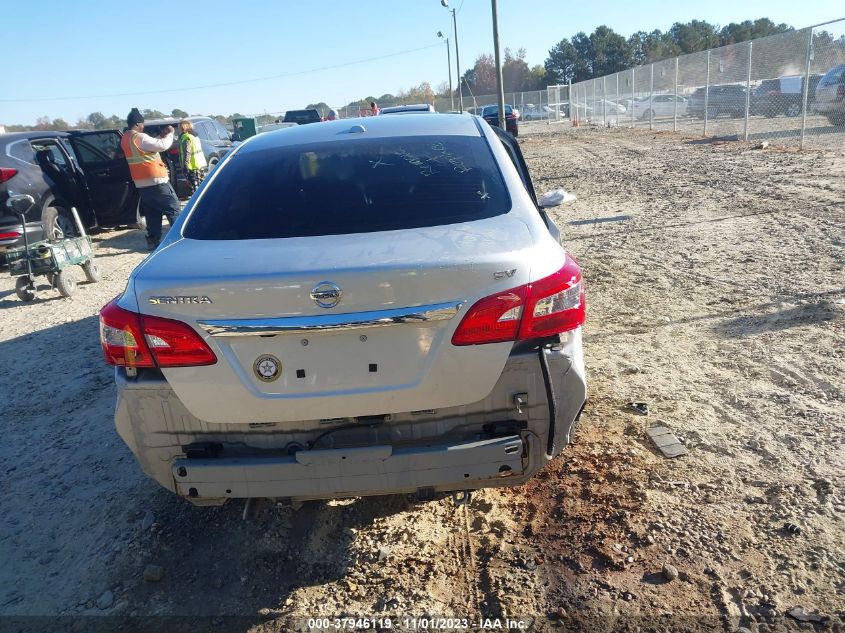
(792, 528)
(666, 441)
(802, 615)
(639, 407)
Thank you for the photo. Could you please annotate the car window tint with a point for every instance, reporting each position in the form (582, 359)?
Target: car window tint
(50, 146)
(92, 148)
(222, 132)
(357, 186)
(21, 150)
(200, 127)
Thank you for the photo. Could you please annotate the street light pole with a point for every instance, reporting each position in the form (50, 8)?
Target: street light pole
(449, 66)
(499, 86)
(445, 3)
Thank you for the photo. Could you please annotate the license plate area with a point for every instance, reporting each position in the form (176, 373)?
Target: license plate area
(331, 362)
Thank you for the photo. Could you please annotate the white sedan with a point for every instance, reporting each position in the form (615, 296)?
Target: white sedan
(367, 306)
(660, 105)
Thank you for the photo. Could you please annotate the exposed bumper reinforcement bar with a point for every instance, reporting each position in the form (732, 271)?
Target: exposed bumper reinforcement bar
(351, 472)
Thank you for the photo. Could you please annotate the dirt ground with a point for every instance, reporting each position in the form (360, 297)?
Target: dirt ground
(715, 295)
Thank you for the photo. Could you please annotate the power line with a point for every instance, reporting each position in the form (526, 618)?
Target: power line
(228, 83)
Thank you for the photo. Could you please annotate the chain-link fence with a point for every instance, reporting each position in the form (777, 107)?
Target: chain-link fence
(788, 88)
(551, 104)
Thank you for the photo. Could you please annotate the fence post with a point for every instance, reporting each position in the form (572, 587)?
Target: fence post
(617, 99)
(675, 108)
(806, 89)
(632, 97)
(569, 99)
(651, 100)
(748, 90)
(706, 93)
(604, 99)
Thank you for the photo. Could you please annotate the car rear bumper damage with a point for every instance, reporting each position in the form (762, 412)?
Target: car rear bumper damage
(501, 440)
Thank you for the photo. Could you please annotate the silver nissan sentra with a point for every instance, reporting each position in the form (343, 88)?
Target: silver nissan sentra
(359, 307)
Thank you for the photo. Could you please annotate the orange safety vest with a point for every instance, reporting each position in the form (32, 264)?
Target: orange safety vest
(142, 165)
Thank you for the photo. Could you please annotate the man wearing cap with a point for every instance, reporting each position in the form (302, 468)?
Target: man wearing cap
(149, 174)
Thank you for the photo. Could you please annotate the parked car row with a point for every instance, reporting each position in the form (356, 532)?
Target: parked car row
(825, 94)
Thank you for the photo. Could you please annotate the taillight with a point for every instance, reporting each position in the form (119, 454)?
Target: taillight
(9, 236)
(130, 339)
(6, 173)
(546, 307)
(510, 117)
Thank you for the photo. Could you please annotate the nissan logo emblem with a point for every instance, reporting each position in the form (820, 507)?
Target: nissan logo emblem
(326, 294)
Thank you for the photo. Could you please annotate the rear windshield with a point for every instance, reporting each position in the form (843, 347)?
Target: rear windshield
(350, 186)
(301, 116)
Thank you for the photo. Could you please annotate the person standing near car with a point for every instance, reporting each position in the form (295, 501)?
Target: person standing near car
(191, 155)
(150, 175)
(374, 109)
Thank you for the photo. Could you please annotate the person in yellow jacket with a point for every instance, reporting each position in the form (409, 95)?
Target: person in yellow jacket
(150, 175)
(191, 155)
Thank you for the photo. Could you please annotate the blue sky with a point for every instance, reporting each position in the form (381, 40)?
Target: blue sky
(56, 49)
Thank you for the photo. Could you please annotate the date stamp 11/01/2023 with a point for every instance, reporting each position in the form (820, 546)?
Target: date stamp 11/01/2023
(413, 623)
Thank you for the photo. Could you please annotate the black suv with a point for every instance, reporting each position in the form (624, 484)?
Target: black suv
(215, 139)
(784, 95)
(301, 117)
(85, 169)
(724, 99)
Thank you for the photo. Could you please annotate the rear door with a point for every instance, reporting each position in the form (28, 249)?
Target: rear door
(106, 173)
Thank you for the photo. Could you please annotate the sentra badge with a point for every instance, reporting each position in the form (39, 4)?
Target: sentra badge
(179, 299)
(267, 367)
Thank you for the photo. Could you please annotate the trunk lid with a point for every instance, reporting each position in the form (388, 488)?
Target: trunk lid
(385, 347)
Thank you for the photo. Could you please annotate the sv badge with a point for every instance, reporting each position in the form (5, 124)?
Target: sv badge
(504, 274)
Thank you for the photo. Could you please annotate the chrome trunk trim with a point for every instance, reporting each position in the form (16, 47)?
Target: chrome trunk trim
(332, 322)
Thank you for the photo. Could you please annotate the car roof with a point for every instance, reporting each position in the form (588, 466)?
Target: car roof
(417, 107)
(422, 124)
(29, 134)
(175, 121)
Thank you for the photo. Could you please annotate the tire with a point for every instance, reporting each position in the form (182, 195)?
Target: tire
(212, 162)
(836, 119)
(58, 223)
(140, 220)
(793, 110)
(92, 271)
(65, 284)
(22, 289)
(646, 115)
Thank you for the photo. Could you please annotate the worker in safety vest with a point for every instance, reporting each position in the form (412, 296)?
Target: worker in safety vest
(150, 174)
(191, 155)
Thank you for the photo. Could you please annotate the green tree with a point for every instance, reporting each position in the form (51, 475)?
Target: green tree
(694, 36)
(152, 114)
(611, 52)
(176, 113)
(561, 63)
(748, 30)
(646, 48)
(96, 119)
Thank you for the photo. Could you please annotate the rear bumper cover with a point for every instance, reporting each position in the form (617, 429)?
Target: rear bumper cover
(349, 472)
(488, 443)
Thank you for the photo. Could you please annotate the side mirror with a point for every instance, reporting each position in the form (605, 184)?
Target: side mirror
(555, 198)
(235, 137)
(20, 203)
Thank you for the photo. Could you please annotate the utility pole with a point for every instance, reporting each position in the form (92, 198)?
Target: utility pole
(445, 3)
(499, 87)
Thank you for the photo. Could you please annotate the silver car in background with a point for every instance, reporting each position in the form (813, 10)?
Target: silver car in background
(362, 307)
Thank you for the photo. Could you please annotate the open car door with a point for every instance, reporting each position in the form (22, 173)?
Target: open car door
(106, 173)
(512, 148)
